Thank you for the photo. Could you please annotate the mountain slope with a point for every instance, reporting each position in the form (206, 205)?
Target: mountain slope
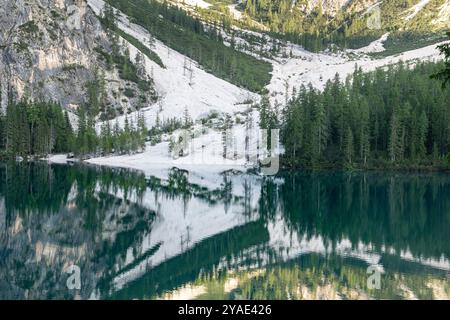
(118, 69)
(185, 33)
(316, 24)
(51, 51)
(186, 90)
(182, 83)
(208, 94)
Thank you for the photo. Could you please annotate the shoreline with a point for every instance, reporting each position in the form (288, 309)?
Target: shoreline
(150, 166)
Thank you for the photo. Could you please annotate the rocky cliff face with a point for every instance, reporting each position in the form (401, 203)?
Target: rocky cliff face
(36, 254)
(423, 15)
(331, 7)
(49, 51)
(328, 6)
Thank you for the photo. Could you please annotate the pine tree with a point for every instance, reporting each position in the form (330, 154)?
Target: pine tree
(394, 138)
(117, 138)
(106, 138)
(447, 160)
(187, 120)
(81, 143)
(349, 147)
(444, 74)
(126, 136)
(134, 137)
(435, 154)
(395, 115)
(69, 134)
(264, 113)
(226, 135)
(109, 17)
(142, 131)
(364, 139)
(140, 65)
(2, 132)
(91, 134)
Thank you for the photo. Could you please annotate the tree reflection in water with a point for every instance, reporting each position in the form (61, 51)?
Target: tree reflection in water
(299, 235)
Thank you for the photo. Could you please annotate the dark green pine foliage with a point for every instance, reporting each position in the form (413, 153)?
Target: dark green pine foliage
(106, 138)
(35, 129)
(111, 139)
(187, 35)
(43, 128)
(2, 133)
(444, 74)
(109, 21)
(141, 131)
(268, 119)
(86, 136)
(347, 28)
(314, 30)
(387, 118)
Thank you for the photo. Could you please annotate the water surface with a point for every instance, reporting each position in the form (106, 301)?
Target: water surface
(299, 235)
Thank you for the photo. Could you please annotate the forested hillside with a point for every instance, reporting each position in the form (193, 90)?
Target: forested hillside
(351, 24)
(188, 35)
(35, 129)
(397, 117)
(394, 117)
(43, 128)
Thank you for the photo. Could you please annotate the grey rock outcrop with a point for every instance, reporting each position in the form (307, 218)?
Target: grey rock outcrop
(49, 51)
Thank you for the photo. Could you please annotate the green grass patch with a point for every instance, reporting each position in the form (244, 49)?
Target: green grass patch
(29, 27)
(141, 47)
(401, 42)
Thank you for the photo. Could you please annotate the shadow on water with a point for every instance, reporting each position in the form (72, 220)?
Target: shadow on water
(299, 235)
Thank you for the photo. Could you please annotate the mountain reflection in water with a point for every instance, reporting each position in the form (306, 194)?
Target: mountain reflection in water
(299, 235)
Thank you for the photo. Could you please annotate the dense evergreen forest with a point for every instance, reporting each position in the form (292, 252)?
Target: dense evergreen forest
(316, 31)
(444, 74)
(390, 118)
(395, 117)
(42, 128)
(187, 35)
(39, 128)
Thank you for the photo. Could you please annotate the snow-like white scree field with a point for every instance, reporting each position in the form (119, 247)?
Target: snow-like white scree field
(444, 14)
(177, 231)
(412, 12)
(180, 224)
(204, 93)
(318, 68)
(200, 96)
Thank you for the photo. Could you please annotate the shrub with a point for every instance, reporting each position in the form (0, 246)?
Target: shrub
(128, 92)
(29, 27)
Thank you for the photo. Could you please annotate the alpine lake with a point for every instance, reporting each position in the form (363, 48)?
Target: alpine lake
(74, 231)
